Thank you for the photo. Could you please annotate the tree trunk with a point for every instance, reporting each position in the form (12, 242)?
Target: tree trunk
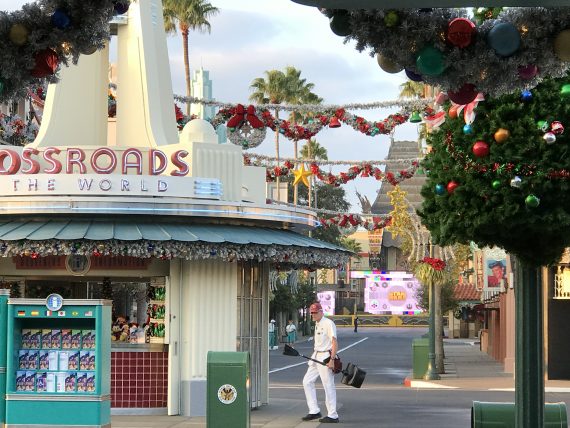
(186, 69)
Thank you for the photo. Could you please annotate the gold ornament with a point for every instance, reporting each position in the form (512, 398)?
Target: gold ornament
(502, 135)
(18, 34)
(301, 175)
(562, 45)
(388, 65)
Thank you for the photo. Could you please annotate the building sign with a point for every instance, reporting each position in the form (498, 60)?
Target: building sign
(109, 185)
(79, 264)
(54, 302)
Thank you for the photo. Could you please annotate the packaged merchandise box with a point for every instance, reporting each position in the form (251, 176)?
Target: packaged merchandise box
(58, 365)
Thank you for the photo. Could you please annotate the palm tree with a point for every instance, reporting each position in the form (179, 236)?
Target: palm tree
(411, 89)
(313, 150)
(280, 87)
(187, 15)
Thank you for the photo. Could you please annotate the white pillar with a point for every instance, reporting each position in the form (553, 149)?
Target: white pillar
(145, 103)
(208, 323)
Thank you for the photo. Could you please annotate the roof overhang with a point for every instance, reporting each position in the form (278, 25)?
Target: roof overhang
(417, 4)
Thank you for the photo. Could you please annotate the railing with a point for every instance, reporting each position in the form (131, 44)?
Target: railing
(562, 284)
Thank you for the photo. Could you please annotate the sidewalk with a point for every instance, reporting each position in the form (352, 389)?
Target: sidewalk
(466, 367)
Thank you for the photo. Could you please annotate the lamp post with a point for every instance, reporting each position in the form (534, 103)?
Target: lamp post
(431, 373)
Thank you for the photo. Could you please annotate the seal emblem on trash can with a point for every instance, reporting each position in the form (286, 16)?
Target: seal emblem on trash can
(227, 393)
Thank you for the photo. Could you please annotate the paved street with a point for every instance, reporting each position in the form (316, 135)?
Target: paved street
(383, 400)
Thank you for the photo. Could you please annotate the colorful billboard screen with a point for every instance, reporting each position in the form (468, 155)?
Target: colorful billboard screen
(327, 301)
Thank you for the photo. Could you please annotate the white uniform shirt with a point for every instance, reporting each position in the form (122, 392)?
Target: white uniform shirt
(271, 327)
(325, 330)
(290, 328)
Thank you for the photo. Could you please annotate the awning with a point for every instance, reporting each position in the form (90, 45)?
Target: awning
(165, 240)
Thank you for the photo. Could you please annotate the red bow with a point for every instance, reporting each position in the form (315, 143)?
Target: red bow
(240, 117)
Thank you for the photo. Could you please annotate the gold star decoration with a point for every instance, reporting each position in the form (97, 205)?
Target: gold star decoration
(301, 175)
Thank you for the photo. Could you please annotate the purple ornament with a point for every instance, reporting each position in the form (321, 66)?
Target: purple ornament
(527, 72)
(415, 77)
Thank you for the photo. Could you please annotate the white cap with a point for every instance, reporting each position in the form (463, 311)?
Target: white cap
(272, 321)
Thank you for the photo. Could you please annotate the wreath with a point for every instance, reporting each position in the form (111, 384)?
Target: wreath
(43, 35)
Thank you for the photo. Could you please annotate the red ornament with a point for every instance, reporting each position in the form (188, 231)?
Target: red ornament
(461, 32)
(464, 95)
(451, 186)
(46, 63)
(480, 149)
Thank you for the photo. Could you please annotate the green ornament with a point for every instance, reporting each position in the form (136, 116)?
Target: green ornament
(391, 19)
(542, 125)
(496, 184)
(532, 201)
(565, 91)
(430, 61)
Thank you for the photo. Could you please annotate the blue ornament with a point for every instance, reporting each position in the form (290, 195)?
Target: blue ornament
(439, 189)
(526, 95)
(504, 38)
(60, 19)
(467, 129)
(415, 77)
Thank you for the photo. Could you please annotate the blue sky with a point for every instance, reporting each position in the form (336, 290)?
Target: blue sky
(251, 36)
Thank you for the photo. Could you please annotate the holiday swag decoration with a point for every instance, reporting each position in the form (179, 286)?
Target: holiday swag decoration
(43, 35)
(318, 121)
(361, 170)
(512, 187)
(511, 50)
(349, 222)
(430, 271)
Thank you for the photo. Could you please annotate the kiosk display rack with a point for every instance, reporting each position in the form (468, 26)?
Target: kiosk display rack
(58, 365)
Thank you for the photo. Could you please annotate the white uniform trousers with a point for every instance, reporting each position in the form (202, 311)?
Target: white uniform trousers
(327, 378)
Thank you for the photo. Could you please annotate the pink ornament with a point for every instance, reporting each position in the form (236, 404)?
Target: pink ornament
(441, 98)
(464, 95)
(451, 186)
(557, 127)
(461, 32)
(480, 149)
(527, 72)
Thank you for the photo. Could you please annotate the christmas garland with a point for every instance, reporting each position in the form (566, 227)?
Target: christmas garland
(443, 47)
(362, 170)
(408, 105)
(322, 119)
(43, 35)
(348, 222)
(261, 159)
(17, 132)
(430, 271)
(282, 254)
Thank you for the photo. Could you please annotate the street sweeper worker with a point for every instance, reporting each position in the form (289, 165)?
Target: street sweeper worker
(325, 347)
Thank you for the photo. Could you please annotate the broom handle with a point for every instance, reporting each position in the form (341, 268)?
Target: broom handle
(316, 361)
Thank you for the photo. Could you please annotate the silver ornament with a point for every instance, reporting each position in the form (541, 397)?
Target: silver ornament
(516, 182)
(549, 137)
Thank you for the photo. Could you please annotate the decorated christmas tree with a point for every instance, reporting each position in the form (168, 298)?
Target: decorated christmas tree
(504, 178)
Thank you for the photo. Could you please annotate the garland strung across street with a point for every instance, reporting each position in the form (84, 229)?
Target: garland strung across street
(362, 170)
(238, 116)
(443, 47)
(43, 35)
(347, 222)
(262, 160)
(282, 254)
(408, 105)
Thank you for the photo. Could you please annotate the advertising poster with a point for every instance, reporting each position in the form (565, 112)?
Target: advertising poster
(327, 301)
(495, 268)
(389, 293)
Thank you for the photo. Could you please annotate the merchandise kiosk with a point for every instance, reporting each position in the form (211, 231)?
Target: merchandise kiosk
(58, 352)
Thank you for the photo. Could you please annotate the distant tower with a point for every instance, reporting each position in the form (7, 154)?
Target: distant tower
(202, 88)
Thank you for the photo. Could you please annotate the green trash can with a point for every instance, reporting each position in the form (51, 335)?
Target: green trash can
(502, 415)
(420, 359)
(227, 401)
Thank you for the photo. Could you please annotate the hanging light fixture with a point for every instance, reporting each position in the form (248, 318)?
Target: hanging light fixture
(415, 117)
(334, 122)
